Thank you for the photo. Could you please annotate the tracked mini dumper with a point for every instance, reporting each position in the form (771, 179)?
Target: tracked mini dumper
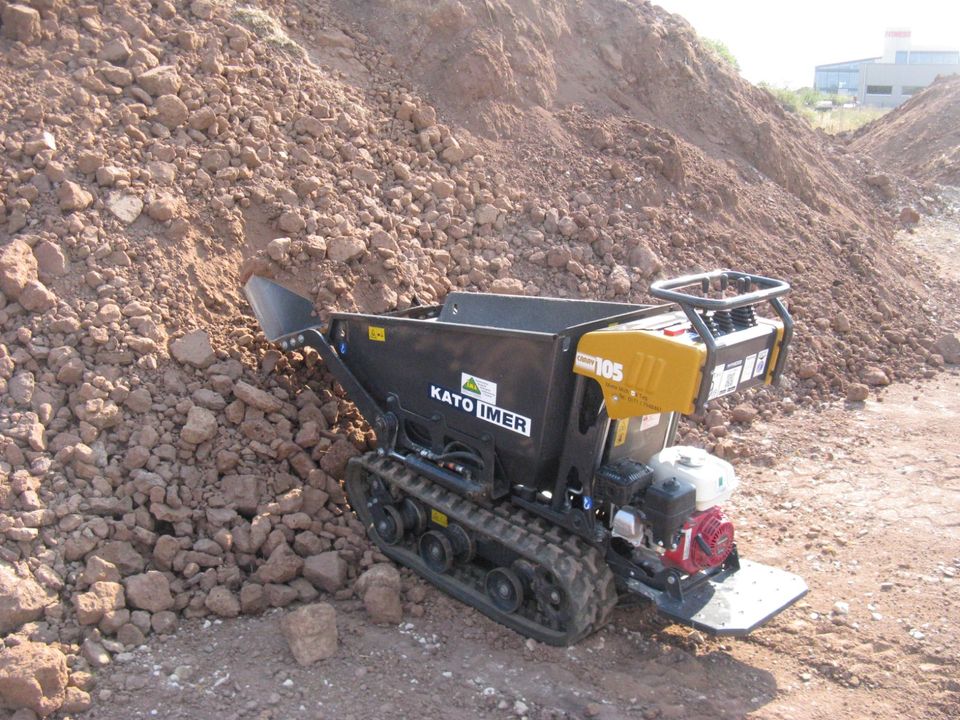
(524, 461)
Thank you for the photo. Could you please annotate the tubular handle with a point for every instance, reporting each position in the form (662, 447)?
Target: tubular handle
(768, 288)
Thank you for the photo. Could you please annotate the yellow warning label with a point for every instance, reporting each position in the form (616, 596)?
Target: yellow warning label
(438, 517)
(377, 333)
(621, 437)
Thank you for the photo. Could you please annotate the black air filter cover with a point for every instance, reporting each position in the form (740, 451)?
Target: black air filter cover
(667, 504)
(621, 481)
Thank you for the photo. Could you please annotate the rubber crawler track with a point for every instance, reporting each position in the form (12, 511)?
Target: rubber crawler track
(578, 568)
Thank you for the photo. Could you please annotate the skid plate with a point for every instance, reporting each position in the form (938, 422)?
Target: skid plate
(733, 602)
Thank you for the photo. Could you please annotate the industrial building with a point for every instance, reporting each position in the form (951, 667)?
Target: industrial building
(890, 80)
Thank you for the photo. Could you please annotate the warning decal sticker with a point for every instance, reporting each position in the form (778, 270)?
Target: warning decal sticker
(725, 379)
(479, 388)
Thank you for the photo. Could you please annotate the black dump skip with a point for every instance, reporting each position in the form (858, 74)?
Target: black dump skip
(491, 366)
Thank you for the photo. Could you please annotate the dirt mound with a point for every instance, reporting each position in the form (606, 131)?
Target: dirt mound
(159, 460)
(635, 153)
(921, 138)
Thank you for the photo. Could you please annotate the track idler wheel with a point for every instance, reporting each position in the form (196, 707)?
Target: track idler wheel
(436, 551)
(504, 589)
(551, 598)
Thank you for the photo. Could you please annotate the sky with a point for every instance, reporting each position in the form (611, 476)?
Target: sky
(780, 42)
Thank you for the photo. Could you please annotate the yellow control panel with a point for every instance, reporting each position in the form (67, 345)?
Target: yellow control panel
(658, 364)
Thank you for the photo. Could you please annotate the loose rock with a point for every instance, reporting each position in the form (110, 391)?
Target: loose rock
(311, 632)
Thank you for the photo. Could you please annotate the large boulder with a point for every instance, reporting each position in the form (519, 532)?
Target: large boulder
(149, 591)
(326, 571)
(33, 676)
(22, 599)
(948, 347)
(21, 23)
(103, 597)
(18, 266)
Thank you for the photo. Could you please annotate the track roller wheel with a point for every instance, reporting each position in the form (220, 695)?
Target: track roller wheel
(390, 527)
(414, 515)
(463, 545)
(504, 589)
(436, 550)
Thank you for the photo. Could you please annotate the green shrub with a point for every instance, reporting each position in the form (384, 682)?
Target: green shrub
(720, 50)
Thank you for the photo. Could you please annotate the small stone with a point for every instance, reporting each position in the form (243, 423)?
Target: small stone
(345, 248)
(645, 260)
(171, 111)
(744, 414)
(220, 601)
(95, 653)
(50, 259)
(163, 623)
(857, 392)
(73, 197)
(311, 632)
(194, 349)
(875, 376)
(98, 570)
(201, 426)
(841, 608)
(334, 462)
(37, 297)
(161, 80)
(202, 9)
(909, 216)
(291, 222)
(424, 117)
(382, 604)
(126, 208)
(257, 398)
(487, 214)
(253, 600)
(384, 574)
(282, 565)
(103, 597)
(279, 249)
(76, 701)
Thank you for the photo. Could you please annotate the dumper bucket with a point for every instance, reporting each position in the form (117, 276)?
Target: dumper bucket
(281, 312)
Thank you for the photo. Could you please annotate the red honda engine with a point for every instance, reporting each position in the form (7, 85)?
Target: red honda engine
(706, 540)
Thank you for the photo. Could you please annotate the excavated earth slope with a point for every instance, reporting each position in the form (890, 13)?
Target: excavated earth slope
(921, 138)
(158, 460)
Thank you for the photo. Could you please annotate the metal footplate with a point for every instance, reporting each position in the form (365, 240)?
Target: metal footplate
(732, 602)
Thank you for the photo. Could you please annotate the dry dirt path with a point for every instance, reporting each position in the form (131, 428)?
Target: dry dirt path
(862, 500)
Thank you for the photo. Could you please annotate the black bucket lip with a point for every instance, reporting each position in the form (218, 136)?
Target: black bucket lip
(280, 312)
